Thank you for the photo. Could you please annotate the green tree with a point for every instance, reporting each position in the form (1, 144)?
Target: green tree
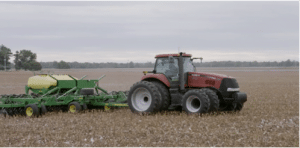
(63, 65)
(131, 65)
(17, 61)
(35, 66)
(55, 64)
(238, 64)
(27, 60)
(288, 63)
(5, 54)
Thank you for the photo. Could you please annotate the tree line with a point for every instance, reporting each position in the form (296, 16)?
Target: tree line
(77, 65)
(26, 60)
(287, 63)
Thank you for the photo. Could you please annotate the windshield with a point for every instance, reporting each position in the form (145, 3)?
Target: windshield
(163, 65)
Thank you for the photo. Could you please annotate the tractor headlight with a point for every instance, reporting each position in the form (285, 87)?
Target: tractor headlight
(233, 89)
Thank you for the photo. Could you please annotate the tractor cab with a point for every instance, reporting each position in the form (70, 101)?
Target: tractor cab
(167, 64)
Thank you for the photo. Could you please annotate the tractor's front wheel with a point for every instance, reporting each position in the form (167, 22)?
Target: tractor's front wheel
(195, 101)
(237, 106)
(31, 110)
(213, 98)
(74, 107)
(144, 97)
(233, 106)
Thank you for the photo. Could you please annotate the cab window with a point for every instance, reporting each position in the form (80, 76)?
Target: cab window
(167, 66)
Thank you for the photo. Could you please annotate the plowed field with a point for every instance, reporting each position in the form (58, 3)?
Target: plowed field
(270, 117)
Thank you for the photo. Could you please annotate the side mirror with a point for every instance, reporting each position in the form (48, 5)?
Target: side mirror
(197, 58)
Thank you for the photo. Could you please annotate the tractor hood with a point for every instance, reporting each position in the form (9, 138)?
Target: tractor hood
(210, 75)
(225, 84)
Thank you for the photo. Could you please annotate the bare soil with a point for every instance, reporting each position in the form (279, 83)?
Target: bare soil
(270, 117)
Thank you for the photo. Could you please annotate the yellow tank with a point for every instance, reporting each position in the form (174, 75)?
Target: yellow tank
(62, 77)
(41, 81)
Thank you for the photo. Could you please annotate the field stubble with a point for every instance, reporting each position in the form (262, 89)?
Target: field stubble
(270, 117)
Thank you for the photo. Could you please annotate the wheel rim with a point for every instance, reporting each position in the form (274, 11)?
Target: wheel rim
(29, 111)
(106, 108)
(72, 108)
(141, 99)
(193, 104)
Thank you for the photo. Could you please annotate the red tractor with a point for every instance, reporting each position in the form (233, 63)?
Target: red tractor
(174, 83)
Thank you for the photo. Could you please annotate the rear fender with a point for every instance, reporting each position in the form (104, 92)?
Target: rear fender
(157, 77)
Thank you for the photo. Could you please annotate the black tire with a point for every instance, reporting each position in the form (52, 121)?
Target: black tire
(87, 91)
(213, 97)
(84, 107)
(223, 106)
(43, 109)
(74, 107)
(31, 110)
(165, 95)
(175, 108)
(239, 106)
(195, 101)
(150, 100)
(3, 113)
(9, 111)
(234, 106)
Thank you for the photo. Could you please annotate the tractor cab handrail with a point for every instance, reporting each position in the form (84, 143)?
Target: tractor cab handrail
(145, 72)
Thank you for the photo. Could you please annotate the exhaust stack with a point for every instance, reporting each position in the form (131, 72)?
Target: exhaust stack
(181, 73)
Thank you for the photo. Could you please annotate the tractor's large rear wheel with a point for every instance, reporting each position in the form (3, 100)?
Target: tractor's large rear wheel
(195, 101)
(144, 97)
(165, 95)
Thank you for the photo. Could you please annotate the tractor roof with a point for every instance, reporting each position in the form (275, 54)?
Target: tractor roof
(174, 55)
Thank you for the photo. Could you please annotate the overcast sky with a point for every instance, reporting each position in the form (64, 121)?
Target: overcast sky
(137, 31)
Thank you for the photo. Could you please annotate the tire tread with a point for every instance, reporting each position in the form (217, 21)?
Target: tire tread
(214, 101)
(203, 98)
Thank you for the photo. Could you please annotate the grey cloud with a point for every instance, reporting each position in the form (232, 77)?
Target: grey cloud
(141, 29)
